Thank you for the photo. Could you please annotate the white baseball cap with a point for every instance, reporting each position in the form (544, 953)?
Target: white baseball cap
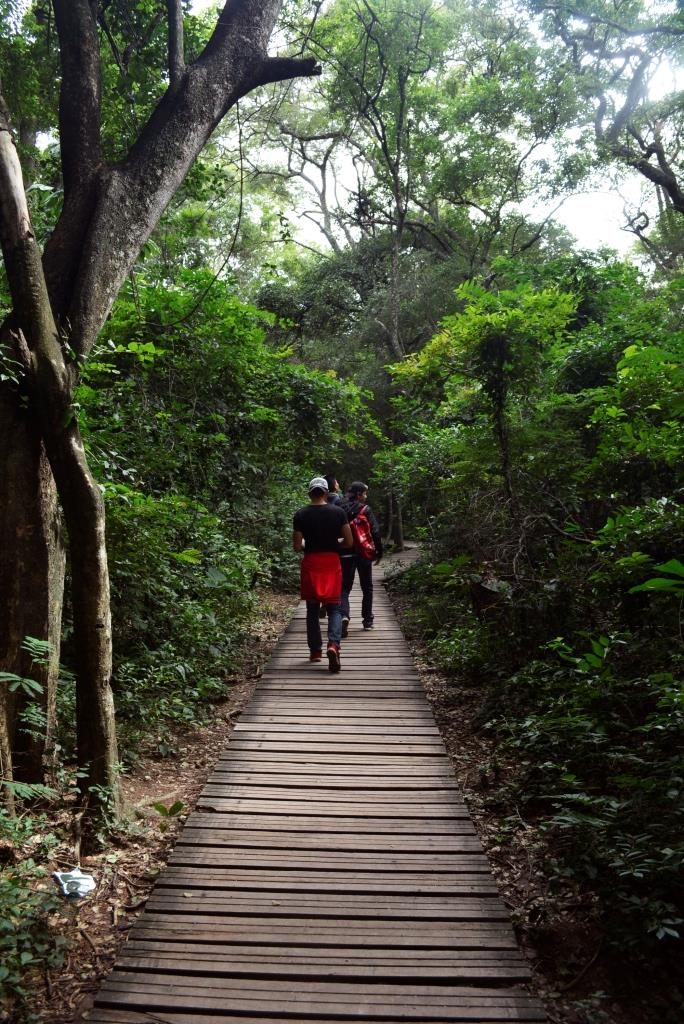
(319, 483)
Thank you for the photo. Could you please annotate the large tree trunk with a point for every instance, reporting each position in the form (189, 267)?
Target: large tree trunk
(31, 584)
(49, 415)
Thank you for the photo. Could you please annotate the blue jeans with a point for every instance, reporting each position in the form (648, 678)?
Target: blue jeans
(350, 565)
(313, 625)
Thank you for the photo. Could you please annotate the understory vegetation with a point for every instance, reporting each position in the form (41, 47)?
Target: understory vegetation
(547, 463)
(200, 496)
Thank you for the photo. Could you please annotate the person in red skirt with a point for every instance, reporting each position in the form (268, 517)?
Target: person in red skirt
(321, 531)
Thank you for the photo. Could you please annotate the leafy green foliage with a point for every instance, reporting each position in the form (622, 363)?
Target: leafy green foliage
(26, 940)
(558, 591)
(182, 592)
(203, 437)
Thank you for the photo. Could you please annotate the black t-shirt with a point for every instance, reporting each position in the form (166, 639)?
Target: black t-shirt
(321, 526)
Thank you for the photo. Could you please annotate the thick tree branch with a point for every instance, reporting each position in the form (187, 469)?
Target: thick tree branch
(25, 273)
(80, 92)
(662, 176)
(132, 196)
(176, 47)
(280, 69)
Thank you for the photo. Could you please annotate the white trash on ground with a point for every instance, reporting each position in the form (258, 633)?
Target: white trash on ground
(74, 883)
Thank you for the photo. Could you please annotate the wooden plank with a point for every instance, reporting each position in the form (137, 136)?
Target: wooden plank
(280, 774)
(123, 1015)
(384, 655)
(358, 678)
(321, 686)
(338, 777)
(386, 732)
(373, 815)
(381, 809)
(377, 1001)
(305, 766)
(348, 758)
(393, 648)
(332, 905)
(333, 697)
(352, 709)
(330, 841)
(319, 933)
(435, 797)
(410, 720)
(339, 747)
(409, 883)
(351, 761)
(321, 824)
(333, 992)
(296, 954)
(347, 779)
(273, 841)
(222, 963)
(339, 739)
(317, 860)
(406, 787)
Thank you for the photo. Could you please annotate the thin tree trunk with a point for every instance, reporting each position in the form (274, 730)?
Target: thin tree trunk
(398, 527)
(394, 338)
(84, 513)
(389, 519)
(176, 47)
(503, 441)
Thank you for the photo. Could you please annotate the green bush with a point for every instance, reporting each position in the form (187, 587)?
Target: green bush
(182, 594)
(26, 938)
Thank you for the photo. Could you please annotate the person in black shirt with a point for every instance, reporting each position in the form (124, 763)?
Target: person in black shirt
(334, 498)
(320, 530)
(353, 561)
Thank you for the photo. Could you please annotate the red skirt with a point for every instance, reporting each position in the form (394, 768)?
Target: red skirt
(321, 577)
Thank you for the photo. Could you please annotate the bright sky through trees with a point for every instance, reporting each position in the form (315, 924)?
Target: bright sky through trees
(594, 216)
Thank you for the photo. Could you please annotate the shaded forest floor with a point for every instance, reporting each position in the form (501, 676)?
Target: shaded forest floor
(560, 933)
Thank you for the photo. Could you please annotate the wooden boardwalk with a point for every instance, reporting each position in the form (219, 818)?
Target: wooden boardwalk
(330, 871)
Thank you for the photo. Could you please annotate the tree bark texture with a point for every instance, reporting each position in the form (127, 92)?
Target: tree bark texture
(31, 598)
(84, 514)
(31, 560)
(398, 526)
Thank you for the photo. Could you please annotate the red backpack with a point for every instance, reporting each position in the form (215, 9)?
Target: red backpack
(364, 544)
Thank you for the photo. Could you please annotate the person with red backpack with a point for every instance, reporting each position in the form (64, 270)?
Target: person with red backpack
(367, 551)
(321, 532)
